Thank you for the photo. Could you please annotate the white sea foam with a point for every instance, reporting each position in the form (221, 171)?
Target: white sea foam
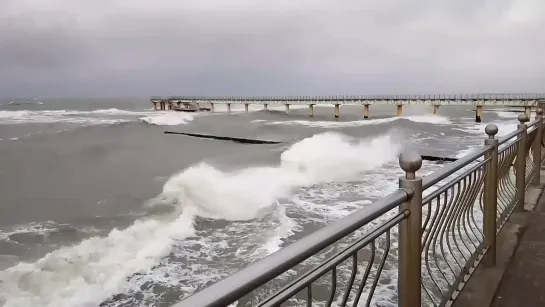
(504, 128)
(88, 273)
(114, 111)
(95, 117)
(36, 102)
(509, 115)
(35, 228)
(196, 259)
(168, 119)
(106, 116)
(464, 152)
(431, 119)
(97, 268)
(333, 156)
(244, 194)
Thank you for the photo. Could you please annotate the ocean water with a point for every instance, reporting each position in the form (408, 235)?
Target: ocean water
(101, 208)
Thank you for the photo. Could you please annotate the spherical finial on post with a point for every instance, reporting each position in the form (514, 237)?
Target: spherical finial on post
(410, 162)
(491, 130)
(539, 112)
(523, 118)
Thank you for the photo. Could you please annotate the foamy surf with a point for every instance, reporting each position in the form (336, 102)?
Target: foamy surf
(98, 268)
(243, 194)
(44, 229)
(508, 115)
(430, 119)
(32, 102)
(101, 116)
(504, 128)
(88, 273)
(168, 119)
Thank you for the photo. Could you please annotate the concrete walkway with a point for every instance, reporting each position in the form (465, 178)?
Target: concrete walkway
(523, 282)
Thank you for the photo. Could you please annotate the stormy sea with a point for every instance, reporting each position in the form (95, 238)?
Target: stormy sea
(99, 207)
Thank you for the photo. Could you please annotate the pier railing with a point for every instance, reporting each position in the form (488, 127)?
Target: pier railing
(479, 96)
(429, 235)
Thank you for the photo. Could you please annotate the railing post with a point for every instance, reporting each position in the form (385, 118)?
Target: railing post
(541, 104)
(490, 196)
(536, 146)
(520, 164)
(410, 233)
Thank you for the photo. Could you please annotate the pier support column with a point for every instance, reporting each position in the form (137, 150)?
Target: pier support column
(162, 105)
(337, 110)
(155, 106)
(478, 114)
(287, 109)
(399, 110)
(436, 109)
(228, 108)
(266, 106)
(198, 106)
(246, 107)
(211, 107)
(310, 110)
(366, 111)
(528, 111)
(179, 104)
(541, 104)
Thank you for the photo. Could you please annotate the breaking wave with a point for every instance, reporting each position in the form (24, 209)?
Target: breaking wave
(98, 268)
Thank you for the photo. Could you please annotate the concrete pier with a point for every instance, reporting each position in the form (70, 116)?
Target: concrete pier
(211, 107)
(479, 101)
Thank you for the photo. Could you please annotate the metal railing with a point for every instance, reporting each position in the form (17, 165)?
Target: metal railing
(430, 235)
(480, 97)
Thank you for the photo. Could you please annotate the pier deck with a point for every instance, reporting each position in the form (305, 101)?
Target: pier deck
(526, 101)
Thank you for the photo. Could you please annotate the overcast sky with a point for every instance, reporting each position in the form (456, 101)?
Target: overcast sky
(270, 47)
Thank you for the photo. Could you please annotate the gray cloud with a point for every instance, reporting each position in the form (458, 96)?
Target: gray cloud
(243, 47)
